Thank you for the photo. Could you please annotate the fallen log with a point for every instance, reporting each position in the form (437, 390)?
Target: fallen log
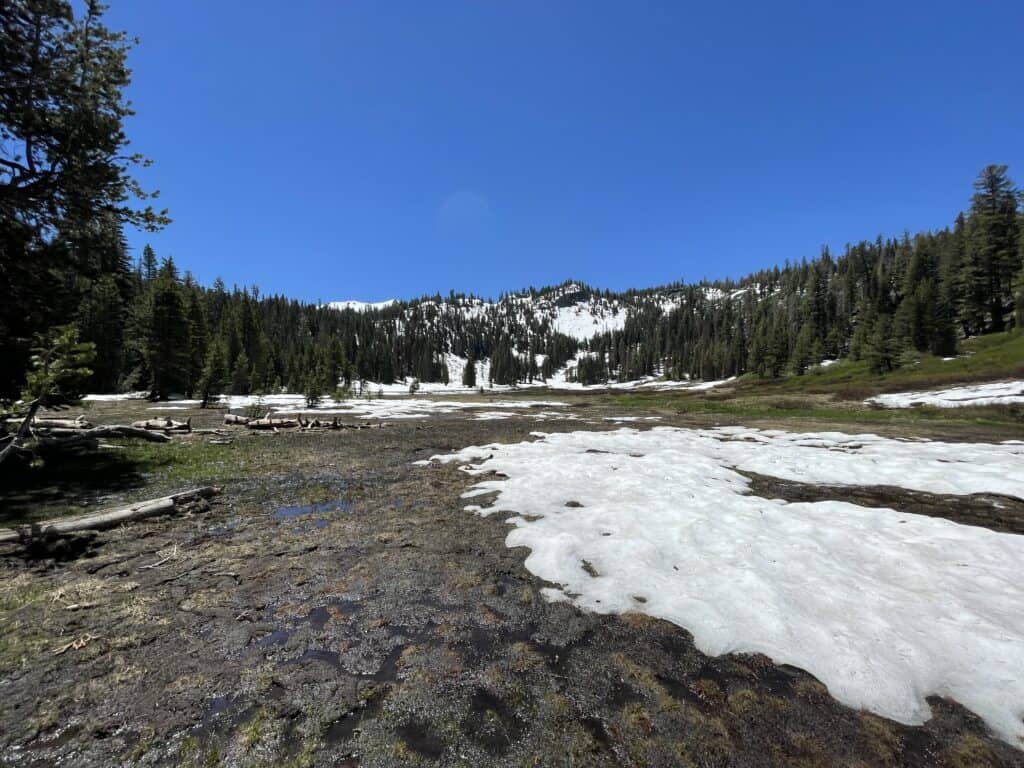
(79, 423)
(98, 521)
(232, 418)
(320, 424)
(269, 423)
(64, 438)
(164, 425)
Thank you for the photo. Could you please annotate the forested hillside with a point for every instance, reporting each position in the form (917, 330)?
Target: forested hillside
(67, 193)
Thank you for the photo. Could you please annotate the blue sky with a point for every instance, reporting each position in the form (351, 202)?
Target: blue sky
(333, 149)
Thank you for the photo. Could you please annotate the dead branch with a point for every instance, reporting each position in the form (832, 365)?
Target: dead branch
(76, 644)
(13, 445)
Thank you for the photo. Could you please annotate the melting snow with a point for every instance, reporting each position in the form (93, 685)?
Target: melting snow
(123, 396)
(380, 408)
(997, 393)
(884, 607)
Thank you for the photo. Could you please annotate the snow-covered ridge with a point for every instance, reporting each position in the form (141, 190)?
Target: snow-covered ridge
(885, 608)
(996, 393)
(361, 306)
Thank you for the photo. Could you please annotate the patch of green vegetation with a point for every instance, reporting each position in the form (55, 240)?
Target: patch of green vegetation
(838, 391)
(128, 468)
(972, 752)
(254, 731)
(751, 406)
(19, 644)
(193, 461)
(192, 754)
(985, 358)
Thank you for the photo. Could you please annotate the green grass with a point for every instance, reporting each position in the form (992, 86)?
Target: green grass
(130, 470)
(836, 394)
(986, 358)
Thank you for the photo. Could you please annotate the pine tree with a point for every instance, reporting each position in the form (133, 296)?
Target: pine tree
(214, 377)
(167, 342)
(241, 375)
(198, 341)
(469, 373)
(883, 349)
(802, 349)
(992, 251)
(101, 319)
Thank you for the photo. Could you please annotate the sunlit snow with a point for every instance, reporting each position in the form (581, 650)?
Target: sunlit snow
(378, 408)
(885, 608)
(996, 393)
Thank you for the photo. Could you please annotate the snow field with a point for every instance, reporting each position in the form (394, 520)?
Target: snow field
(380, 408)
(883, 607)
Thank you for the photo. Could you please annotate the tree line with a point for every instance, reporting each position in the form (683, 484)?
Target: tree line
(881, 301)
(68, 281)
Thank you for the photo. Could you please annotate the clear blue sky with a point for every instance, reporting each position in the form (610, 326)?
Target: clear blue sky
(335, 149)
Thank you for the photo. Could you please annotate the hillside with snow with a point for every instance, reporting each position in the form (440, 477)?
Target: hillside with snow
(543, 334)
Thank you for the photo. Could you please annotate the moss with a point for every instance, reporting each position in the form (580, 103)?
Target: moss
(192, 754)
(883, 740)
(638, 719)
(255, 731)
(709, 692)
(20, 643)
(972, 752)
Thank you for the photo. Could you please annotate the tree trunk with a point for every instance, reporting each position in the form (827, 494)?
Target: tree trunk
(100, 520)
(14, 443)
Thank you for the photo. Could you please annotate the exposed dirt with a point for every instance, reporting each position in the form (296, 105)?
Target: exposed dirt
(337, 607)
(998, 513)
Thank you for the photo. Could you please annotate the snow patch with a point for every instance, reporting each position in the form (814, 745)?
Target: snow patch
(998, 393)
(379, 408)
(884, 607)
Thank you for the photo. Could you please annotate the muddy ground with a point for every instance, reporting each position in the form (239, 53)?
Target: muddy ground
(336, 606)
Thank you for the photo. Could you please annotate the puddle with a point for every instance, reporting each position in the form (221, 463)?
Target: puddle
(338, 505)
(223, 715)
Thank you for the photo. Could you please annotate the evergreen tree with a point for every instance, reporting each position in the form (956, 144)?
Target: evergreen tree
(241, 375)
(469, 373)
(992, 250)
(883, 349)
(65, 172)
(214, 377)
(198, 335)
(167, 341)
(101, 320)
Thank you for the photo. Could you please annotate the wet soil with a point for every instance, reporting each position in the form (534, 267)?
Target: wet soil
(1004, 514)
(336, 606)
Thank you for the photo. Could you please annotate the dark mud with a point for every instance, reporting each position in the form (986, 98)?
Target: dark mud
(376, 623)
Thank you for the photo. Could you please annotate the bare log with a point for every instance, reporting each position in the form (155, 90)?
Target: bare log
(101, 520)
(79, 423)
(233, 418)
(62, 438)
(270, 423)
(164, 425)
